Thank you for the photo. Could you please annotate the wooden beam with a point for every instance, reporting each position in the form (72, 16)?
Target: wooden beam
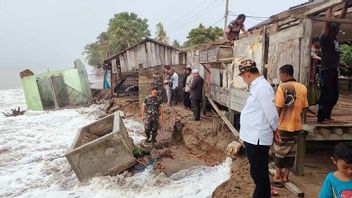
(226, 121)
(205, 67)
(290, 186)
(324, 7)
(324, 19)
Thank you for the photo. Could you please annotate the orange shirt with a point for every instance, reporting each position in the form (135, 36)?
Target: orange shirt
(290, 117)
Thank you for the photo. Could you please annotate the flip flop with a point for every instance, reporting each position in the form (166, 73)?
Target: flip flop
(274, 192)
(277, 184)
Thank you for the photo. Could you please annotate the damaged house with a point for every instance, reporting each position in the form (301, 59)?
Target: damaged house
(56, 89)
(136, 65)
(284, 38)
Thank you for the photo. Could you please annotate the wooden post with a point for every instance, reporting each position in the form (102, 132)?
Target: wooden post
(232, 116)
(305, 57)
(298, 168)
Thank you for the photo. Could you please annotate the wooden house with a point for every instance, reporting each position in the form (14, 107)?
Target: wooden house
(284, 38)
(138, 62)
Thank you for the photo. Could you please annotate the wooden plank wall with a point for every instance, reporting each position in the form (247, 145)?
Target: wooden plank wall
(233, 98)
(149, 54)
(247, 47)
(284, 48)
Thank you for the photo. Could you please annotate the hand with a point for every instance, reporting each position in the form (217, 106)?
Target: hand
(277, 137)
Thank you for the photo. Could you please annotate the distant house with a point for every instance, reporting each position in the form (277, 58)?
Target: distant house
(135, 65)
(56, 89)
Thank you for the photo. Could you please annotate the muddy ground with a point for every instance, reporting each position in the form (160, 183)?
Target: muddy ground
(184, 143)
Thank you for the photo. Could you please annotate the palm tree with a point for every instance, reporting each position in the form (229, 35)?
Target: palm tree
(161, 33)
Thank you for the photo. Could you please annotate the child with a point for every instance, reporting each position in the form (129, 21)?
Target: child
(338, 184)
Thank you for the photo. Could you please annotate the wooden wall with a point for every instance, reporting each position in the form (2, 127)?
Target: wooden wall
(149, 54)
(285, 48)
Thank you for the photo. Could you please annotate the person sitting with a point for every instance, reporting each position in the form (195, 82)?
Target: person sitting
(339, 183)
(233, 29)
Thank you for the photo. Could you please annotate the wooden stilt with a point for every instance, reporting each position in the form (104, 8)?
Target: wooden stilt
(298, 168)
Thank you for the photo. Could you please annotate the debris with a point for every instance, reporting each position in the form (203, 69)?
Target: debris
(14, 112)
(101, 148)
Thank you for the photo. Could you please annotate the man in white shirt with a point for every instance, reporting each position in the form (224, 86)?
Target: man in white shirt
(174, 79)
(258, 121)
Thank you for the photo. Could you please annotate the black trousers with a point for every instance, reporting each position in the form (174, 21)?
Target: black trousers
(196, 108)
(174, 96)
(329, 93)
(187, 99)
(258, 157)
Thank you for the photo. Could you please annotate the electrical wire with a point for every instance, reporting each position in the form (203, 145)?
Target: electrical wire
(204, 11)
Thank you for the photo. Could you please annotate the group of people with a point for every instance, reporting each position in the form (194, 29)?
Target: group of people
(275, 119)
(270, 118)
(152, 111)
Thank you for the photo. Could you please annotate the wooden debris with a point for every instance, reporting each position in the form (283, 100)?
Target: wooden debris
(290, 186)
(14, 112)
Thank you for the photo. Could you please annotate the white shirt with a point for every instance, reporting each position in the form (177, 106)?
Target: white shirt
(259, 118)
(174, 79)
(188, 83)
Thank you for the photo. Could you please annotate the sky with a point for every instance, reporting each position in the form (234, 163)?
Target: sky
(51, 34)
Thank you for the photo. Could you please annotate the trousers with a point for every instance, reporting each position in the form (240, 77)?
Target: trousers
(329, 93)
(258, 157)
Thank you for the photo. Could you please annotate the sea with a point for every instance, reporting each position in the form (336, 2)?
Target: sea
(32, 161)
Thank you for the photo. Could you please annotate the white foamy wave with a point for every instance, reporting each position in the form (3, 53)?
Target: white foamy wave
(32, 162)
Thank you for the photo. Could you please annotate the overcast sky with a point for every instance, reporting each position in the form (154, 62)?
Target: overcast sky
(52, 33)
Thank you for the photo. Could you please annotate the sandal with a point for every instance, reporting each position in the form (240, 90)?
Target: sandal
(277, 184)
(274, 192)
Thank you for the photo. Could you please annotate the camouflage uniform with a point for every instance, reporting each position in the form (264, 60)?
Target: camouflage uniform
(151, 119)
(157, 82)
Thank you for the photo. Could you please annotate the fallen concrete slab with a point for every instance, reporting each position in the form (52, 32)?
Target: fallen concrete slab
(101, 148)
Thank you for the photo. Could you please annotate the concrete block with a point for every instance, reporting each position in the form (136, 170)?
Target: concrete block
(101, 148)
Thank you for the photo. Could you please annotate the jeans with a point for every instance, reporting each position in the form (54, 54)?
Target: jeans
(196, 108)
(168, 95)
(258, 156)
(187, 99)
(329, 93)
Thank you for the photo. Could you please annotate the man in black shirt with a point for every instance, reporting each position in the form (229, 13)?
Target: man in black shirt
(329, 89)
(196, 93)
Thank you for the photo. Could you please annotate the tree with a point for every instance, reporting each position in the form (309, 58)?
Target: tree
(176, 44)
(161, 33)
(124, 30)
(346, 60)
(201, 35)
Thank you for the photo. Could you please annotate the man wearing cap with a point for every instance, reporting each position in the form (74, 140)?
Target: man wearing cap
(196, 90)
(258, 123)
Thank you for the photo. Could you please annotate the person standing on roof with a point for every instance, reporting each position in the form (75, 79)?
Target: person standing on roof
(196, 91)
(330, 58)
(258, 122)
(235, 27)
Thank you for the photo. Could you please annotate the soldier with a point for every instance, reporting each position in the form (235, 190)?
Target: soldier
(152, 110)
(157, 82)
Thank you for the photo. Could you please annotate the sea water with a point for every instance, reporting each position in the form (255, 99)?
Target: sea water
(32, 161)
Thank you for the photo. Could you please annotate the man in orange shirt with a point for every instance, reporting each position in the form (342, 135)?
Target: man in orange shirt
(290, 101)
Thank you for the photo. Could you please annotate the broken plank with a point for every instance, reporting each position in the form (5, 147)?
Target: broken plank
(290, 186)
(325, 19)
(226, 121)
